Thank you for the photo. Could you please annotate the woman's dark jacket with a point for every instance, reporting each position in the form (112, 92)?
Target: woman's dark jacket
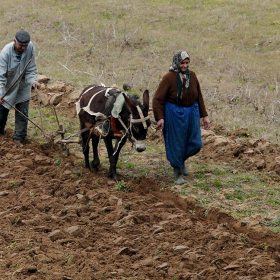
(167, 92)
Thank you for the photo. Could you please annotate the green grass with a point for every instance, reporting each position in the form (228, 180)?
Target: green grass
(14, 186)
(122, 187)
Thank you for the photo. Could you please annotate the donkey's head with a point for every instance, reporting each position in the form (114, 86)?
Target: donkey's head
(139, 120)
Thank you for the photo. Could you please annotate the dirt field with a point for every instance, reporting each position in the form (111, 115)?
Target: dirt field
(57, 224)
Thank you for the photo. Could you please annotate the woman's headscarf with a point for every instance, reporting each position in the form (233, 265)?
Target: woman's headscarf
(178, 57)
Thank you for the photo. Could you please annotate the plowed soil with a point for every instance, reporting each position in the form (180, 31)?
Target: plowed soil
(57, 223)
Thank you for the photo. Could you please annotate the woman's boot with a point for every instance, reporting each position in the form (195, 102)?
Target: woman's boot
(179, 180)
(185, 170)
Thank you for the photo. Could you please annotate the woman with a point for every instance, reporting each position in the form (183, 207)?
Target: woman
(178, 106)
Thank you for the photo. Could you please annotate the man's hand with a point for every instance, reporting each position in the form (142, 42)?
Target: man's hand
(36, 85)
(160, 124)
(1, 100)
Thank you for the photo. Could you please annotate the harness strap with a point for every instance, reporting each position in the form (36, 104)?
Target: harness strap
(87, 108)
(124, 126)
(86, 92)
(142, 118)
(108, 90)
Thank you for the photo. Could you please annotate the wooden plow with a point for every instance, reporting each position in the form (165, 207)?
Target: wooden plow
(63, 141)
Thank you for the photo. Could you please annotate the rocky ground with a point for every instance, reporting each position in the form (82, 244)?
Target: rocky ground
(61, 221)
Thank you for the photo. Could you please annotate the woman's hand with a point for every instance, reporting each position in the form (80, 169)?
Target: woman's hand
(160, 124)
(206, 123)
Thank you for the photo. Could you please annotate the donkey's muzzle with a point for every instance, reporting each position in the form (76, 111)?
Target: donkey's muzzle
(140, 147)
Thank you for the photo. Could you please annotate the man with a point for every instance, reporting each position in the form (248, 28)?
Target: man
(13, 59)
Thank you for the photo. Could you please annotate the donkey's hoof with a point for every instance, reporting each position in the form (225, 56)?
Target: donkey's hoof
(113, 176)
(95, 164)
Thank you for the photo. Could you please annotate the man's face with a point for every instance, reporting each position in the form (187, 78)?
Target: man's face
(19, 48)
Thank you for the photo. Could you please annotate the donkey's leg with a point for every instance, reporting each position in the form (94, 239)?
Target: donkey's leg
(85, 147)
(96, 161)
(112, 161)
(113, 158)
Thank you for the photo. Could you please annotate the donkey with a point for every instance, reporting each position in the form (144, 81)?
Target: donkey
(107, 113)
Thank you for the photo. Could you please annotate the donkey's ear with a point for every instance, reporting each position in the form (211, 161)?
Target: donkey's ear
(146, 99)
(129, 104)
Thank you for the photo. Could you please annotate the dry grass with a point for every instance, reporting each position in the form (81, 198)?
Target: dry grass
(233, 45)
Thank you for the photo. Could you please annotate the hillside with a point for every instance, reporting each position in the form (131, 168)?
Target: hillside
(233, 45)
(60, 221)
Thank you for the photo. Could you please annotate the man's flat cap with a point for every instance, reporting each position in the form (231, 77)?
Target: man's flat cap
(23, 37)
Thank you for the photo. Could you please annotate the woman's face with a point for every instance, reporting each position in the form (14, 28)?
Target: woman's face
(185, 65)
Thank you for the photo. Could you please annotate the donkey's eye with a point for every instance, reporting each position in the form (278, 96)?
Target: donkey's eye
(136, 129)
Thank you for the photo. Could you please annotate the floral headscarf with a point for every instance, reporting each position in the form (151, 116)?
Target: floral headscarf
(178, 57)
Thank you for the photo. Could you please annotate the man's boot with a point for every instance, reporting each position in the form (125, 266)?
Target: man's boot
(3, 119)
(178, 174)
(21, 121)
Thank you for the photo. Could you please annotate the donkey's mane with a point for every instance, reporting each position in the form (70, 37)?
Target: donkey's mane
(135, 99)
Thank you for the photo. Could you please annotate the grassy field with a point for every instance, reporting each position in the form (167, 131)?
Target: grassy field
(234, 47)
